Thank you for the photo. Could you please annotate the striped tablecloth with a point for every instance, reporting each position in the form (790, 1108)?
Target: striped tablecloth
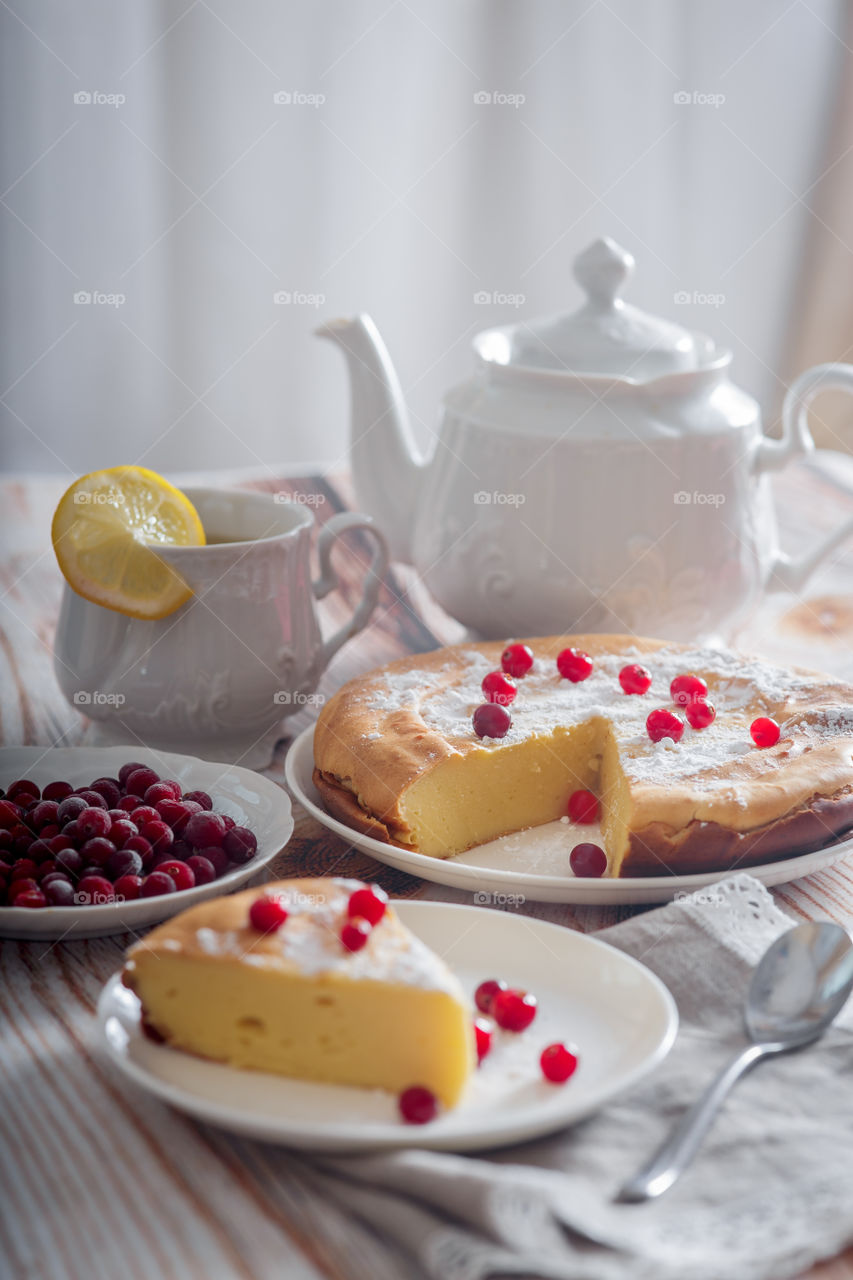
(98, 1182)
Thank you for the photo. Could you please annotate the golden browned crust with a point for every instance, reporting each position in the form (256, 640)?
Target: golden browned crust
(342, 804)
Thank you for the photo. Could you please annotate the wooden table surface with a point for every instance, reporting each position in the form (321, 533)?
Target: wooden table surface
(97, 1181)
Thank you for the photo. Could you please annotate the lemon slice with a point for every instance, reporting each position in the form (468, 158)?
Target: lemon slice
(103, 532)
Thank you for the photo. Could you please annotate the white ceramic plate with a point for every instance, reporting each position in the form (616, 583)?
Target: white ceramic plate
(533, 863)
(251, 800)
(619, 1015)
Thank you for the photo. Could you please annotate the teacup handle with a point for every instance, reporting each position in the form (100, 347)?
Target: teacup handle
(329, 579)
(788, 573)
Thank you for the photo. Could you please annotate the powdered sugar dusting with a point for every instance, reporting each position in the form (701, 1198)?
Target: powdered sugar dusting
(309, 940)
(740, 688)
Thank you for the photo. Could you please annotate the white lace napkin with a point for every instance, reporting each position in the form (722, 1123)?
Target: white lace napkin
(770, 1192)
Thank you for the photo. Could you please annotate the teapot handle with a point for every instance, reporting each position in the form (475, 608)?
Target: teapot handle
(329, 579)
(788, 573)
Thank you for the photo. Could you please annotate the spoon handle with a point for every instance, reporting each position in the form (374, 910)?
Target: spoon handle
(673, 1157)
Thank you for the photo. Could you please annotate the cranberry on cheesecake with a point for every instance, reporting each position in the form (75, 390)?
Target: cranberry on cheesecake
(700, 759)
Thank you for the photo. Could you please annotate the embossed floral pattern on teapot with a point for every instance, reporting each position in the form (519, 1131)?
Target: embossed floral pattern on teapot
(598, 471)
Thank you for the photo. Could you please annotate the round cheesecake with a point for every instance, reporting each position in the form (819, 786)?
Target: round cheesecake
(397, 757)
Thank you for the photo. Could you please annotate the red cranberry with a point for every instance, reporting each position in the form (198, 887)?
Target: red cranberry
(22, 885)
(93, 822)
(240, 844)
(55, 874)
(10, 814)
(161, 791)
(22, 838)
(514, 1010)
(156, 884)
(662, 724)
(72, 832)
(127, 888)
(180, 851)
(174, 812)
(32, 898)
(230, 824)
(58, 892)
(145, 813)
(44, 869)
(700, 713)
(60, 841)
(482, 1037)
(57, 791)
(20, 788)
(684, 689)
(121, 831)
(765, 732)
(129, 803)
(498, 688)
(202, 868)
(138, 844)
(574, 665)
(180, 873)
(138, 782)
(69, 860)
(267, 914)
(418, 1105)
(49, 831)
(217, 858)
(98, 851)
(158, 834)
(69, 808)
(125, 862)
(486, 992)
(40, 851)
(558, 1063)
(583, 807)
(199, 797)
(355, 933)
(516, 660)
(635, 678)
(127, 769)
(109, 788)
(94, 799)
(491, 721)
(43, 814)
(204, 829)
(588, 860)
(370, 903)
(94, 891)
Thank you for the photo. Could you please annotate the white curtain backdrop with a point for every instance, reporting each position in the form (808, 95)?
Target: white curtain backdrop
(183, 198)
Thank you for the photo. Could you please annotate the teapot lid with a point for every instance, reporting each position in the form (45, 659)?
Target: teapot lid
(605, 335)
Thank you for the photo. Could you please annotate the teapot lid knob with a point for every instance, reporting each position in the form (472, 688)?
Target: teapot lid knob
(603, 269)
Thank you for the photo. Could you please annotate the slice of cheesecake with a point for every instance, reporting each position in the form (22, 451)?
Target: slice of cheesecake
(295, 1001)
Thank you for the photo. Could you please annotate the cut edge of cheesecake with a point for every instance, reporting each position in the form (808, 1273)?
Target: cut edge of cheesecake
(296, 1003)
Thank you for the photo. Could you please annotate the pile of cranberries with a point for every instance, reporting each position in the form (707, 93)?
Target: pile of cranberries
(115, 840)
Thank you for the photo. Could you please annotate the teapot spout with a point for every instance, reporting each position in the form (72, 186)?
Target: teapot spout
(386, 466)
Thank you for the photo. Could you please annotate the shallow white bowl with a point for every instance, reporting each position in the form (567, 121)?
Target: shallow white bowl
(620, 1017)
(251, 800)
(533, 864)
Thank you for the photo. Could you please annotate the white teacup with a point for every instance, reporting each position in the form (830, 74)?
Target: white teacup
(217, 677)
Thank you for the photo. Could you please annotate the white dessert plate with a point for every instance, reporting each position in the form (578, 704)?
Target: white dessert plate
(533, 863)
(620, 1017)
(251, 800)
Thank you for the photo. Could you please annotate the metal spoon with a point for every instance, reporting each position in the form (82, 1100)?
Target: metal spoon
(798, 988)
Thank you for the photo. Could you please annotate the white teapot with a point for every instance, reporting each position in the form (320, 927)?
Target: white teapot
(597, 472)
